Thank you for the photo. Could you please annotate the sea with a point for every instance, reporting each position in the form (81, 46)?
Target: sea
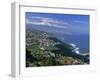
(81, 41)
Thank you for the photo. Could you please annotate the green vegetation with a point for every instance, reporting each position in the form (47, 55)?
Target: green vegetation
(42, 49)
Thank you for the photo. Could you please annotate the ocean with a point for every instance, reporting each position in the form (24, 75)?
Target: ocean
(81, 41)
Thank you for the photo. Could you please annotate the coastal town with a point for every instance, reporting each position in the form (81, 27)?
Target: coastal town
(42, 49)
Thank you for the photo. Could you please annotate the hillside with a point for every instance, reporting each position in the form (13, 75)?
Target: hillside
(43, 49)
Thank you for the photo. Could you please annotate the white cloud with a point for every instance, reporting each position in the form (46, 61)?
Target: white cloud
(82, 22)
(47, 22)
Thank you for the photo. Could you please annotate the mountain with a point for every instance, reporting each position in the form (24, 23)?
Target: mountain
(65, 35)
(44, 49)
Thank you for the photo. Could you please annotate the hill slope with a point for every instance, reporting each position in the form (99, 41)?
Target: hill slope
(42, 49)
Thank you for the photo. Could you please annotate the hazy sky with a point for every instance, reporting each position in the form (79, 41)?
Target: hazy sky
(69, 24)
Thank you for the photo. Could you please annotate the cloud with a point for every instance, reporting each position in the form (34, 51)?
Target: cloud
(81, 22)
(51, 22)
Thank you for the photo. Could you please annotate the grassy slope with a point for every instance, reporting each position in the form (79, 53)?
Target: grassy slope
(37, 57)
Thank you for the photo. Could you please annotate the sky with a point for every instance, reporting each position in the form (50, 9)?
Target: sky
(70, 28)
(69, 24)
